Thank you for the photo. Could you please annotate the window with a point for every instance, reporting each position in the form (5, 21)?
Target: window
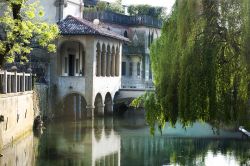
(123, 68)
(130, 69)
(66, 65)
(138, 69)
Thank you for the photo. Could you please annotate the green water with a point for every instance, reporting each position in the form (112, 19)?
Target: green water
(127, 142)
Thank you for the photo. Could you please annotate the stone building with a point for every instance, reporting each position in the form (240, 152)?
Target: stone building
(141, 31)
(85, 72)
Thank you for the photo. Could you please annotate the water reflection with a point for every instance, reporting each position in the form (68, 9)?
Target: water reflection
(22, 152)
(80, 143)
(126, 142)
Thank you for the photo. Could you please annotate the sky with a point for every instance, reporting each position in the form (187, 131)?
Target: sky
(162, 3)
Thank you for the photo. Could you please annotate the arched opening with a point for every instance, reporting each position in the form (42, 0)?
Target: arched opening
(72, 59)
(74, 107)
(125, 34)
(108, 107)
(98, 59)
(99, 108)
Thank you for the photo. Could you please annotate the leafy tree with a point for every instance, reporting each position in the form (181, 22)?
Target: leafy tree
(201, 64)
(156, 12)
(22, 30)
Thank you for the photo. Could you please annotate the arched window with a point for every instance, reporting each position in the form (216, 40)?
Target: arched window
(125, 34)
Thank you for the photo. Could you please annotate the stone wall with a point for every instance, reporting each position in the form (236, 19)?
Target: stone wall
(18, 116)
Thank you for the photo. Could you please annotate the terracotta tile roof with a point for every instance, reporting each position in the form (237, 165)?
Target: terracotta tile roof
(76, 26)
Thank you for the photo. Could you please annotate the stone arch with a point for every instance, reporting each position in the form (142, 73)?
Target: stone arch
(117, 61)
(108, 60)
(98, 59)
(99, 108)
(113, 61)
(115, 103)
(103, 60)
(108, 104)
(74, 106)
(71, 59)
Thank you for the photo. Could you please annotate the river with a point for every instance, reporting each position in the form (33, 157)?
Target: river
(126, 142)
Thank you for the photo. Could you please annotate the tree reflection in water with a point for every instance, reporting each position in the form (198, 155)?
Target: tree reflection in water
(126, 142)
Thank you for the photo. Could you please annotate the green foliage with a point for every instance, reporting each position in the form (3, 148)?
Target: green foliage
(156, 12)
(102, 6)
(201, 64)
(23, 29)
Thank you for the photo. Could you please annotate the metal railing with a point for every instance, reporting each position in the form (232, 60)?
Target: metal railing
(13, 82)
(112, 17)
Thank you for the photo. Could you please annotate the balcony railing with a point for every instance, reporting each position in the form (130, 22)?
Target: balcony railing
(130, 83)
(111, 17)
(13, 82)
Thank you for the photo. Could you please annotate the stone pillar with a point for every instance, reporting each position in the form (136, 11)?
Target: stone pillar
(9, 84)
(5, 82)
(98, 61)
(108, 62)
(103, 61)
(30, 82)
(113, 64)
(23, 85)
(90, 111)
(117, 62)
(15, 83)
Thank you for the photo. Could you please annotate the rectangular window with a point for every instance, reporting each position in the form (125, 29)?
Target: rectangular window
(138, 69)
(130, 69)
(65, 65)
(77, 65)
(123, 68)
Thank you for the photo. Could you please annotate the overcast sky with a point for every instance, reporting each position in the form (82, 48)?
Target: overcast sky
(163, 3)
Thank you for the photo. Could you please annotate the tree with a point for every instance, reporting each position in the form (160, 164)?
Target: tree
(205, 48)
(156, 12)
(22, 30)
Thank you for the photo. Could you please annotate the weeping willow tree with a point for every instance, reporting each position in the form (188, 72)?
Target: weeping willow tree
(201, 64)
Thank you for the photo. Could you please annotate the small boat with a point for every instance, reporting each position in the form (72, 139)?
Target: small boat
(244, 131)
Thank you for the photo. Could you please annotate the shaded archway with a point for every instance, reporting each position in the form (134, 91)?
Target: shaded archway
(74, 107)
(108, 104)
(71, 60)
(99, 108)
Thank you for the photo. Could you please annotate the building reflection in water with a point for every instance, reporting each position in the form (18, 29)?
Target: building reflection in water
(89, 142)
(22, 152)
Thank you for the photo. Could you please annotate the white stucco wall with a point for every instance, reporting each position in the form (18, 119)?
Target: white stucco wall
(18, 113)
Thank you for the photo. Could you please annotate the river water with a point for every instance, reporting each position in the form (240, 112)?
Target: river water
(126, 141)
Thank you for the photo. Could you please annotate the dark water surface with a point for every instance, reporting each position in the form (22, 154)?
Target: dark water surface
(126, 142)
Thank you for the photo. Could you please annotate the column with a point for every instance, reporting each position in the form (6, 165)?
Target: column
(113, 62)
(23, 83)
(15, 83)
(108, 62)
(98, 60)
(5, 82)
(103, 60)
(117, 62)
(90, 111)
